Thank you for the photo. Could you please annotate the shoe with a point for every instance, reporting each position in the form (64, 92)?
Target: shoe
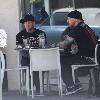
(77, 86)
(69, 90)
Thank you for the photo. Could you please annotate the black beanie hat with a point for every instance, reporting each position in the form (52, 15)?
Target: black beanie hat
(28, 17)
(75, 14)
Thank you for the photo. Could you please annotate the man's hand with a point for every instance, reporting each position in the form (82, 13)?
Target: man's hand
(62, 45)
(67, 40)
(74, 48)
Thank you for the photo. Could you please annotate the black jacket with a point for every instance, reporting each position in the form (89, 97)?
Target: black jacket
(84, 42)
(25, 35)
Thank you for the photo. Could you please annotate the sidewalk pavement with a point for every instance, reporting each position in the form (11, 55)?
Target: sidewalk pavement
(14, 95)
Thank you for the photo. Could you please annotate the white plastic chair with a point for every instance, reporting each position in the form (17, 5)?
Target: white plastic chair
(75, 67)
(2, 66)
(2, 69)
(21, 80)
(3, 41)
(45, 60)
(22, 76)
(0, 85)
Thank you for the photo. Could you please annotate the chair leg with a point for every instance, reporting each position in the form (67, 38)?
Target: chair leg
(74, 67)
(32, 86)
(58, 74)
(60, 84)
(21, 81)
(43, 80)
(27, 81)
(73, 75)
(48, 88)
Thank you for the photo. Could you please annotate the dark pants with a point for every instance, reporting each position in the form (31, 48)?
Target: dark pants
(25, 61)
(66, 62)
(36, 80)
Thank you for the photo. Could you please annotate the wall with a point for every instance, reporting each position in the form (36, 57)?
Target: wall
(9, 20)
(87, 3)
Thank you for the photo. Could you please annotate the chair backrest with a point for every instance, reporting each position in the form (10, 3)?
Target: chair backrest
(44, 59)
(97, 54)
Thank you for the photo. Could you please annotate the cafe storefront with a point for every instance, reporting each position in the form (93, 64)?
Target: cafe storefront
(11, 12)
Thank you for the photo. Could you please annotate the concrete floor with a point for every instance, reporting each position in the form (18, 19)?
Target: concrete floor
(15, 95)
(53, 94)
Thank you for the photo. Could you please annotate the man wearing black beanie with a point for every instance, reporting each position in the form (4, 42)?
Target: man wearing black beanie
(78, 43)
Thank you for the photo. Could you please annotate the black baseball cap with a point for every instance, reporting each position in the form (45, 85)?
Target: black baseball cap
(28, 17)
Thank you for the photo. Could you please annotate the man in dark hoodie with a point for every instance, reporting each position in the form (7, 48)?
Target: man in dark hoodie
(79, 41)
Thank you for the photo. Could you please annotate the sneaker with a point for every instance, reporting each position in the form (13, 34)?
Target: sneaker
(77, 86)
(69, 90)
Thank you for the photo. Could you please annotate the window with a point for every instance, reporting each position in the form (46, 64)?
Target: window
(59, 18)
